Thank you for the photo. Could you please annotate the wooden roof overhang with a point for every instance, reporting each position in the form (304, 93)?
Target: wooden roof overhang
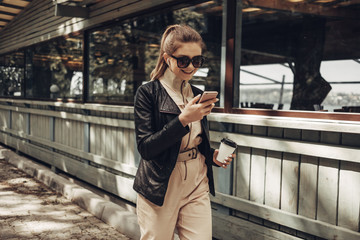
(9, 9)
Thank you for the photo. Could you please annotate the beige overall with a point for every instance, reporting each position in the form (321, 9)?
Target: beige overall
(187, 203)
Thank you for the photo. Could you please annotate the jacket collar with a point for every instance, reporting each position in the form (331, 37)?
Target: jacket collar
(167, 104)
(176, 87)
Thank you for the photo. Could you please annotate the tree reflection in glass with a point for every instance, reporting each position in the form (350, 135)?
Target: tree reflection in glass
(11, 74)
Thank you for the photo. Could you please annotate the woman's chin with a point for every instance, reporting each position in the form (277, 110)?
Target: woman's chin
(187, 76)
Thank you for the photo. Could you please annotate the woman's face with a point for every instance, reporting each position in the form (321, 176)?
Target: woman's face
(189, 50)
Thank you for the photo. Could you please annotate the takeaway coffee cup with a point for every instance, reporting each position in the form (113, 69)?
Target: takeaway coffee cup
(227, 147)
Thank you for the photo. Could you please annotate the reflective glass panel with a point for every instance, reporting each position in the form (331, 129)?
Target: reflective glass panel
(11, 74)
(122, 56)
(300, 55)
(54, 69)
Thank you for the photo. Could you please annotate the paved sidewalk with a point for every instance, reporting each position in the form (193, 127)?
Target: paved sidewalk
(31, 210)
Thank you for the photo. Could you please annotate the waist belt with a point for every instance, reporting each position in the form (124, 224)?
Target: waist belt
(188, 155)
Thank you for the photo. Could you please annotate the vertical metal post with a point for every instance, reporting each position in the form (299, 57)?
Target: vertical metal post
(223, 56)
(230, 53)
(86, 54)
(237, 57)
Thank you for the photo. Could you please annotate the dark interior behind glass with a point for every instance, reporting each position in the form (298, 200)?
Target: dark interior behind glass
(122, 56)
(54, 69)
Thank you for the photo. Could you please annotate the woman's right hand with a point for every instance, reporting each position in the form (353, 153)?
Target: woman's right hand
(194, 111)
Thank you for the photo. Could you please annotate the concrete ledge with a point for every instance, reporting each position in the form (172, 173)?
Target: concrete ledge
(111, 213)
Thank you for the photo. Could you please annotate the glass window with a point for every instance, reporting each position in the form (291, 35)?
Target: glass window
(122, 56)
(300, 55)
(54, 68)
(11, 74)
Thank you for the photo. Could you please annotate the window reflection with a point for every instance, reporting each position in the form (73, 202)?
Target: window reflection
(54, 69)
(266, 86)
(11, 74)
(122, 57)
(300, 55)
(344, 76)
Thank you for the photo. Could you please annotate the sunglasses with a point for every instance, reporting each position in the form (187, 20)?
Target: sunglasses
(183, 62)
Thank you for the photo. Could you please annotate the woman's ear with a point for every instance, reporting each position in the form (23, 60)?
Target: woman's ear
(166, 58)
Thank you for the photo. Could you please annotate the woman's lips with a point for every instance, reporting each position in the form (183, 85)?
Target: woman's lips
(187, 72)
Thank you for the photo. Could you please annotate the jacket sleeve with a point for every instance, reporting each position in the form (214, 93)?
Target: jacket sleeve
(152, 142)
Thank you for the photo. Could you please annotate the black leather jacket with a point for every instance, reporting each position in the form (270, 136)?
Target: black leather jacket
(158, 136)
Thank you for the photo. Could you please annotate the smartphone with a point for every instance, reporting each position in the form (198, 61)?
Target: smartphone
(207, 95)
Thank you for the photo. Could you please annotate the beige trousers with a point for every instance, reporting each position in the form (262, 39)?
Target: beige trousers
(186, 206)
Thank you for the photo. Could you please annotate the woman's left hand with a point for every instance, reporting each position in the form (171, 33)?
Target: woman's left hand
(227, 161)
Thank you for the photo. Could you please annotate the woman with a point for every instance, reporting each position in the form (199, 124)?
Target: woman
(175, 172)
